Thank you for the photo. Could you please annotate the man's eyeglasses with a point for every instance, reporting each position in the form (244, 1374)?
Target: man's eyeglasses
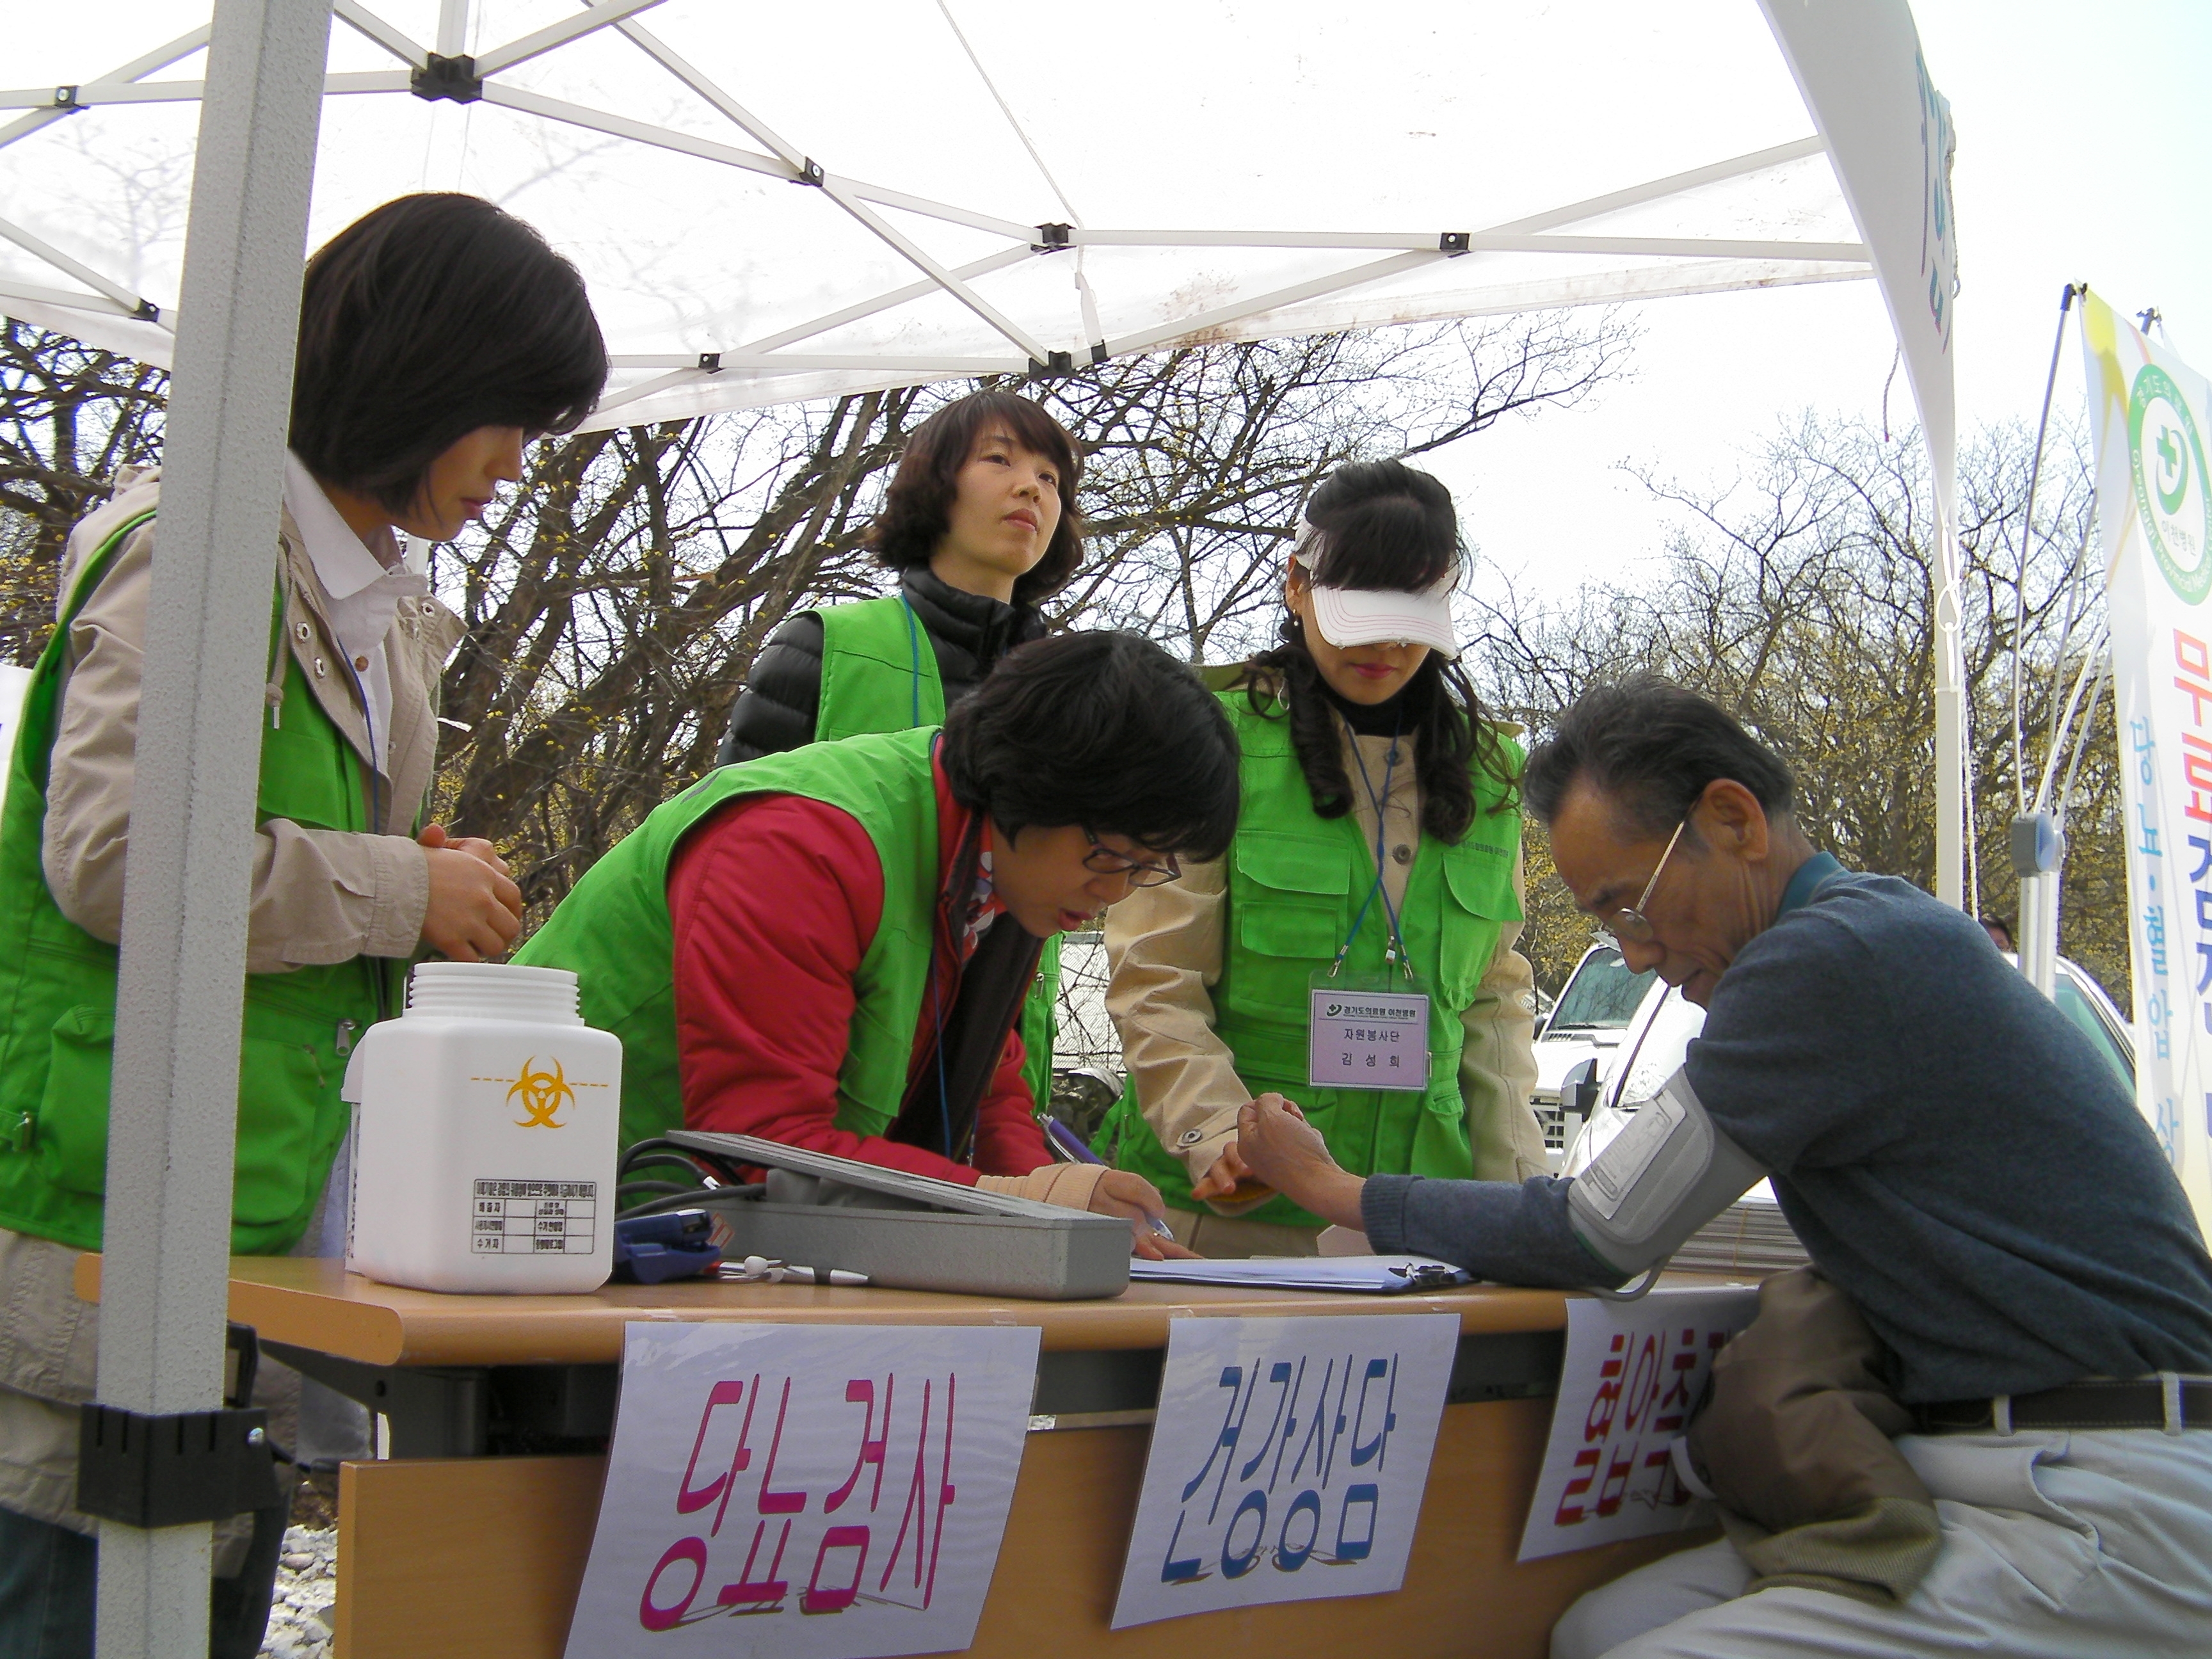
(1632, 924)
(1108, 862)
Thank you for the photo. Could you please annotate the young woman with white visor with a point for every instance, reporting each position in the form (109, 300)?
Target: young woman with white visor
(1354, 950)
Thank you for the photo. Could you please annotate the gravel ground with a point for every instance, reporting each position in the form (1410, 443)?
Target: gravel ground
(306, 1583)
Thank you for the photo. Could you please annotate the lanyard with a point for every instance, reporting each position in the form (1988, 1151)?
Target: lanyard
(1394, 951)
(914, 660)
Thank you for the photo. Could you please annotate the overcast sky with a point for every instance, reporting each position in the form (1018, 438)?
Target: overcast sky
(2084, 155)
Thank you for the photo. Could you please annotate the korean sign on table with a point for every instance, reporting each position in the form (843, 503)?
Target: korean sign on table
(1634, 1372)
(1287, 1462)
(800, 1491)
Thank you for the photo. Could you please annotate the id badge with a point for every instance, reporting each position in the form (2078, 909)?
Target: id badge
(1364, 1036)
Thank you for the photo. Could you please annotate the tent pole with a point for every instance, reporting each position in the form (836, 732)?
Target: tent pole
(180, 984)
(1952, 826)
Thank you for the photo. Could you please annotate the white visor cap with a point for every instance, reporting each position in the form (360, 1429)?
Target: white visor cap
(1366, 616)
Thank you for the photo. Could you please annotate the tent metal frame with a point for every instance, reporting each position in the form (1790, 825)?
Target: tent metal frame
(765, 361)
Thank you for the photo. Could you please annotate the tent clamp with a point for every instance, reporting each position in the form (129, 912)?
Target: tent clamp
(454, 78)
(147, 312)
(1056, 363)
(710, 363)
(66, 98)
(810, 173)
(174, 1468)
(1453, 243)
(1099, 352)
(1052, 237)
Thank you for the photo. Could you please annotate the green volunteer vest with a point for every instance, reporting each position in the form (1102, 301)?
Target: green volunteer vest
(879, 674)
(57, 992)
(614, 931)
(1295, 882)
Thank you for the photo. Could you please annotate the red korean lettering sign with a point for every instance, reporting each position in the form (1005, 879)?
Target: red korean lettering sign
(805, 1490)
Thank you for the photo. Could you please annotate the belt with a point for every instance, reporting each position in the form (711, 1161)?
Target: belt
(2168, 1401)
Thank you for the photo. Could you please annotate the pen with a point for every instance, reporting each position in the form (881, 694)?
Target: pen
(1071, 1144)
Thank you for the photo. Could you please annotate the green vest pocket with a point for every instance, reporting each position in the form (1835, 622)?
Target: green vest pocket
(73, 1109)
(280, 1086)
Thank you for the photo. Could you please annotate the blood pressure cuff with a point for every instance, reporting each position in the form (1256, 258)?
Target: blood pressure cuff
(1662, 1177)
(1794, 1439)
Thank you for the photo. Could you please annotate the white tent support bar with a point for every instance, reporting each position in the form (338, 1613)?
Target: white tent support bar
(453, 27)
(186, 92)
(181, 974)
(936, 272)
(60, 261)
(1687, 247)
(795, 158)
(1358, 277)
(55, 296)
(1482, 242)
(363, 21)
(689, 372)
(160, 57)
(921, 368)
(536, 43)
(620, 126)
(927, 209)
(150, 92)
(897, 296)
(1673, 184)
(692, 77)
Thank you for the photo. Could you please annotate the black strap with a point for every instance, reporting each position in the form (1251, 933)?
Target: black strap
(2137, 1403)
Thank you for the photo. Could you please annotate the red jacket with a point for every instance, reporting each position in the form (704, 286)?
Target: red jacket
(774, 901)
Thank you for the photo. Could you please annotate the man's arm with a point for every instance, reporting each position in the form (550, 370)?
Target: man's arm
(774, 902)
(1496, 1229)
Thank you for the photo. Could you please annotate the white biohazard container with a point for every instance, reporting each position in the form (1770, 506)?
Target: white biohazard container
(486, 1132)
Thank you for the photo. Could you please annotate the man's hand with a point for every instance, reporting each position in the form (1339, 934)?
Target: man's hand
(475, 911)
(1281, 1148)
(1124, 1193)
(1230, 1180)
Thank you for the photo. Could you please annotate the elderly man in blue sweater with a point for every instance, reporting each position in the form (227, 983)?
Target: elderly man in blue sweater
(1979, 1197)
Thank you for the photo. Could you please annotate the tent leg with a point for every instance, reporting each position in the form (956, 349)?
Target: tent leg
(180, 984)
(1952, 819)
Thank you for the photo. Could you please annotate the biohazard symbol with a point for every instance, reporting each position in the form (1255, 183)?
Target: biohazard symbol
(542, 1095)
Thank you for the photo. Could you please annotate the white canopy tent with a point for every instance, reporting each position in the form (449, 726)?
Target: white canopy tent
(780, 203)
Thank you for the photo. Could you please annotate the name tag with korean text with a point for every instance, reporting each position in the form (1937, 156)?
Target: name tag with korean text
(1358, 1039)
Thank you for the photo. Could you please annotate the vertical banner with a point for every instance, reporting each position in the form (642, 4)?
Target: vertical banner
(2150, 415)
(1634, 1371)
(804, 1492)
(1288, 1460)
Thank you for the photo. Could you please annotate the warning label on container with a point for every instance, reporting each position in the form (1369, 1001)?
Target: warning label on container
(535, 1218)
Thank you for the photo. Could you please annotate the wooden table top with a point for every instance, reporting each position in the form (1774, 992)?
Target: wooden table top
(316, 1303)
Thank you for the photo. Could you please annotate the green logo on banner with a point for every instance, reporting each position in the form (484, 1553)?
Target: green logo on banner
(2171, 489)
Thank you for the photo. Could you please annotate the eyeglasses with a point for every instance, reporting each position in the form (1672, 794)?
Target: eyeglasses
(1108, 862)
(1632, 924)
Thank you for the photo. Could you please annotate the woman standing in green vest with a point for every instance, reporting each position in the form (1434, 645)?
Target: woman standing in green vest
(1354, 950)
(436, 334)
(979, 523)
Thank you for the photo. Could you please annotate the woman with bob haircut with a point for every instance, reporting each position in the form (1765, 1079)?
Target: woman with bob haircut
(980, 522)
(438, 335)
(1377, 853)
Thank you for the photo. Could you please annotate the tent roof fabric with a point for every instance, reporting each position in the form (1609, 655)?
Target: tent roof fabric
(772, 203)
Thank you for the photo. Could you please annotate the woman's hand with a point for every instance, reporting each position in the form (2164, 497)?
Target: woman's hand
(1278, 1146)
(1123, 1192)
(1230, 1180)
(475, 911)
